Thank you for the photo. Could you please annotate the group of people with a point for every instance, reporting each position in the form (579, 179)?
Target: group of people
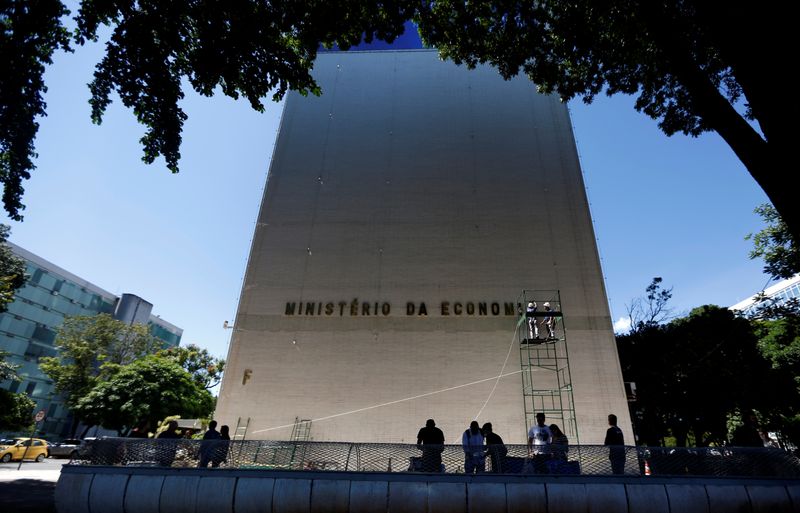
(213, 448)
(478, 442)
(548, 446)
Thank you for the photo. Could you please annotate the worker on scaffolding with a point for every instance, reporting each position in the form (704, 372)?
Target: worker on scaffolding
(533, 327)
(549, 322)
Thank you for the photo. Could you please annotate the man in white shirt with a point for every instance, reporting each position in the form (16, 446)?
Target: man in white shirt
(539, 439)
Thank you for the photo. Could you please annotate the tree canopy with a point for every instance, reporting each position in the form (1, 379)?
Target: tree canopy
(15, 408)
(652, 309)
(16, 411)
(12, 270)
(247, 48)
(693, 372)
(206, 370)
(150, 388)
(85, 344)
(776, 245)
(691, 64)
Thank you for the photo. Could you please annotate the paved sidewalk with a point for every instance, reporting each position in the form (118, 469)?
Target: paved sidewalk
(27, 490)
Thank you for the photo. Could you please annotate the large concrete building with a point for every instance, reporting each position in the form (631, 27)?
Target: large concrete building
(405, 211)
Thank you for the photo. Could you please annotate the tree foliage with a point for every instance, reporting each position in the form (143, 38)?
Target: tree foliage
(30, 31)
(689, 63)
(779, 342)
(652, 309)
(12, 269)
(247, 48)
(693, 373)
(205, 369)
(7, 369)
(16, 411)
(84, 344)
(776, 245)
(150, 388)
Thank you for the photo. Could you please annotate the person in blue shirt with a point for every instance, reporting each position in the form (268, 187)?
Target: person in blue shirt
(474, 456)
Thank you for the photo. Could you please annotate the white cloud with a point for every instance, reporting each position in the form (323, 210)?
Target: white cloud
(622, 325)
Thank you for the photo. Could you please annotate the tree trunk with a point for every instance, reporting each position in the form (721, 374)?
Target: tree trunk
(768, 161)
(73, 430)
(779, 178)
(86, 430)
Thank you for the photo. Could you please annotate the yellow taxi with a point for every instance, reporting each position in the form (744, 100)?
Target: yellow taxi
(14, 449)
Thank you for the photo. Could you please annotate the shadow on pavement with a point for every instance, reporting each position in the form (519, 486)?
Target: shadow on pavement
(27, 496)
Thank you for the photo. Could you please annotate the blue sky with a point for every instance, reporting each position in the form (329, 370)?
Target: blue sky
(675, 207)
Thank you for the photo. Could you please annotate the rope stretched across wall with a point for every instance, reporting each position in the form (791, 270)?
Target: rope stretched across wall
(427, 394)
(502, 369)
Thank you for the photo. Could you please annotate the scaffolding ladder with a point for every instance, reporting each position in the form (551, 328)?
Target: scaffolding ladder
(544, 361)
(289, 454)
(241, 428)
(301, 431)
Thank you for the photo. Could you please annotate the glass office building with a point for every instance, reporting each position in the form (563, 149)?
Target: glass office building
(780, 292)
(28, 329)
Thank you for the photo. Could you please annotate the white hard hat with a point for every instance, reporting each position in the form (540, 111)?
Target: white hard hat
(530, 305)
(547, 305)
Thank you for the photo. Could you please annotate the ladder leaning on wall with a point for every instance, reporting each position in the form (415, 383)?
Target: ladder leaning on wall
(241, 428)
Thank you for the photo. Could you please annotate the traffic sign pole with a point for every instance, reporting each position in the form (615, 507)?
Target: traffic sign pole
(37, 419)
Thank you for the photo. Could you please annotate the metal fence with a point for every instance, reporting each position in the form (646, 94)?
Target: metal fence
(592, 460)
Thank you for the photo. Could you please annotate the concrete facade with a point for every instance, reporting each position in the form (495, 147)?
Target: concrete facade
(409, 187)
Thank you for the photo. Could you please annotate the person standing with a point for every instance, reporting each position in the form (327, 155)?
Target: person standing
(616, 442)
(430, 440)
(140, 431)
(166, 448)
(747, 435)
(208, 445)
(495, 448)
(137, 451)
(472, 442)
(220, 452)
(560, 443)
(539, 439)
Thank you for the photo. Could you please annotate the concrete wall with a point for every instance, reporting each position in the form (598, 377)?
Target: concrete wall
(112, 490)
(414, 180)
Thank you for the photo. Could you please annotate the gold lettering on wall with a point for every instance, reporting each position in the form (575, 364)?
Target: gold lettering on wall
(355, 308)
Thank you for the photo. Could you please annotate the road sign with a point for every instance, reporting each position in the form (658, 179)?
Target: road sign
(39, 416)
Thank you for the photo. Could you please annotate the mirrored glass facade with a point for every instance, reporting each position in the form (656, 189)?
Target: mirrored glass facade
(28, 330)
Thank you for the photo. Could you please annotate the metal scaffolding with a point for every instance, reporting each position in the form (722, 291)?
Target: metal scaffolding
(546, 379)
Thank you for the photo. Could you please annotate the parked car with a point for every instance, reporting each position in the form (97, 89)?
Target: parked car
(67, 448)
(15, 449)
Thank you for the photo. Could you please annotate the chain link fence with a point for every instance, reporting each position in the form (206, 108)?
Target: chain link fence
(595, 460)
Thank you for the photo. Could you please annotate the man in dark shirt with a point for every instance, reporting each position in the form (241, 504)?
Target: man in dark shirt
(495, 448)
(616, 441)
(207, 446)
(166, 448)
(747, 434)
(430, 440)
